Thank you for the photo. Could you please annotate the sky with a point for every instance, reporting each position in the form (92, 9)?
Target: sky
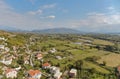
(83, 15)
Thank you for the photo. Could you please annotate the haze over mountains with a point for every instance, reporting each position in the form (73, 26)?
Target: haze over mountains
(8, 28)
(52, 30)
(58, 30)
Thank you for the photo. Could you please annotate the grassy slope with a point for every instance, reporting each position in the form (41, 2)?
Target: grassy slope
(102, 42)
(112, 59)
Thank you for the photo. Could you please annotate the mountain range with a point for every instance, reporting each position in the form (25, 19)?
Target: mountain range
(58, 31)
(50, 31)
(43, 31)
(6, 28)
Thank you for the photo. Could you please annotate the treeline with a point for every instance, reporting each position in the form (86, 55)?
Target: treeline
(108, 37)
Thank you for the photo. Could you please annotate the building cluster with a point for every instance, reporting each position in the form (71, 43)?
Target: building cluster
(9, 72)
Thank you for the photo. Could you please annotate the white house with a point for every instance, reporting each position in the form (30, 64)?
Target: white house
(73, 72)
(34, 74)
(11, 73)
(59, 57)
(26, 62)
(54, 69)
(2, 47)
(7, 49)
(2, 38)
(57, 75)
(6, 62)
(53, 50)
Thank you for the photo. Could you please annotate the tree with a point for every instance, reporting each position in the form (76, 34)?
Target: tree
(20, 60)
(117, 46)
(44, 48)
(58, 65)
(92, 70)
(104, 63)
(79, 65)
(93, 58)
(98, 47)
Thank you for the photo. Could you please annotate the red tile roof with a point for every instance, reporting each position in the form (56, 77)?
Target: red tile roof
(46, 64)
(33, 72)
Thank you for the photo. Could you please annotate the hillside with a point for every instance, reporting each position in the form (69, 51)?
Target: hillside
(58, 31)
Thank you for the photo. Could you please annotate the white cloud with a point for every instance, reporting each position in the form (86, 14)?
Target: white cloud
(4, 6)
(114, 19)
(23, 21)
(111, 8)
(92, 20)
(51, 17)
(97, 22)
(38, 12)
(41, 9)
(48, 17)
(48, 6)
(32, 1)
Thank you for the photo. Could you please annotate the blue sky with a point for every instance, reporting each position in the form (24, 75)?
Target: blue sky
(84, 15)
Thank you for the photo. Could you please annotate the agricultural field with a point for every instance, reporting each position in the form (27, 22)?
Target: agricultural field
(112, 60)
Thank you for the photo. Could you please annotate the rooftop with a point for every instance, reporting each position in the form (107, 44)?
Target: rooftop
(73, 71)
(46, 64)
(33, 72)
(39, 55)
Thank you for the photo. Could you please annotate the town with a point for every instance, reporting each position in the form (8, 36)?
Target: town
(35, 56)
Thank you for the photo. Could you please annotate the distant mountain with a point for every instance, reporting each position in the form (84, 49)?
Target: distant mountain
(58, 31)
(11, 29)
(8, 28)
(115, 34)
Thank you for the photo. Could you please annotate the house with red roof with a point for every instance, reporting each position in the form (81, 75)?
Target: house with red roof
(34, 74)
(46, 65)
